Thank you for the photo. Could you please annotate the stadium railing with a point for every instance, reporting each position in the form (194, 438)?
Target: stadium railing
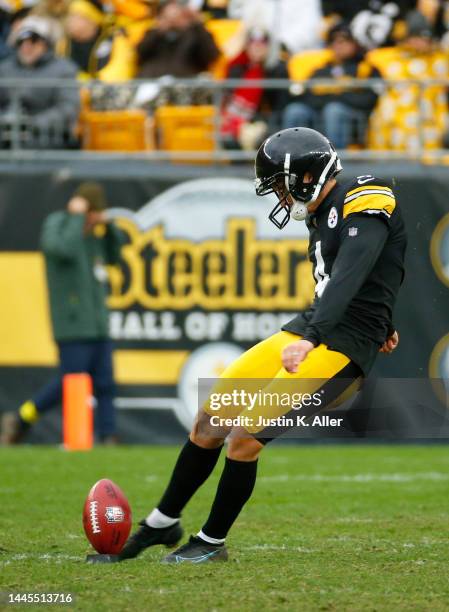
(180, 120)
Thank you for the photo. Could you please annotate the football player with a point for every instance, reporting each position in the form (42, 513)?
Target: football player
(357, 247)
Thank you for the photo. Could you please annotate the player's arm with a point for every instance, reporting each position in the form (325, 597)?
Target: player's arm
(358, 252)
(367, 209)
(357, 255)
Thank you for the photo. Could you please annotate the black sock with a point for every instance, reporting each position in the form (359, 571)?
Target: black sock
(192, 469)
(234, 489)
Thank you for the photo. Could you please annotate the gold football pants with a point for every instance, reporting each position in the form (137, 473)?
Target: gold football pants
(326, 375)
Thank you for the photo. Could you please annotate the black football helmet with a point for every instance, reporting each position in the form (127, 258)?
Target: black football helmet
(281, 163)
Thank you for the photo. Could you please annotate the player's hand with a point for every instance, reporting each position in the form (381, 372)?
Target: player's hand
(390, 343)
(294, 354)
(78, 206)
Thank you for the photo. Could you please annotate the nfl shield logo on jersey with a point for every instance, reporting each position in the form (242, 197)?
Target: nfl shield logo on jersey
(353, 231)
(333, 217)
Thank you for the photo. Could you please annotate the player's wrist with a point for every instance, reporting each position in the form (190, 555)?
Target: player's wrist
(391, 334)
(312, 338)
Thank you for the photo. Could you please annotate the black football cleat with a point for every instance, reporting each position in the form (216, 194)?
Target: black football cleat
(149, 536)
(197, 551)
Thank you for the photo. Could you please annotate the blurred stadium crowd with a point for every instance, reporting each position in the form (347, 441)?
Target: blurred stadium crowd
(148, 45)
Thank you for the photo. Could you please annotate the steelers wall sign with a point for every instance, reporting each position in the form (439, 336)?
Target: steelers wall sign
(204, 275)
(202, 263)
(439, 254)
(439, 250)
(439, 370)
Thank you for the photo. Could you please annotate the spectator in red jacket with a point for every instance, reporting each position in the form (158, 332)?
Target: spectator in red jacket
(250, 112)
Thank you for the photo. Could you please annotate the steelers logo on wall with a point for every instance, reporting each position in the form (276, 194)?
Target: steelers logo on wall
(439, 250)
(439, 369)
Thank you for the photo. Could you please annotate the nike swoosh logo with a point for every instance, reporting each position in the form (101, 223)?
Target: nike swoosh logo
(199, 559)
(360, 182)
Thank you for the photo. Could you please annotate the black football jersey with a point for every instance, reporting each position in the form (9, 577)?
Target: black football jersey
(357, 249)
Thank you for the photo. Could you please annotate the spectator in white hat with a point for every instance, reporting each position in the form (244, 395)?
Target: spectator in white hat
(46, 114)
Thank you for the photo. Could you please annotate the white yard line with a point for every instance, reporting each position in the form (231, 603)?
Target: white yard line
(394, 544)
(47, 557)
(273, 548)
(353, 519)
(359, 478)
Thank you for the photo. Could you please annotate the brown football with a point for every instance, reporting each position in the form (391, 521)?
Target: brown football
(107, 517)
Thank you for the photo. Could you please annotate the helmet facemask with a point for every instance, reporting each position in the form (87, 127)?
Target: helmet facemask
(294, 195)
(280, 184)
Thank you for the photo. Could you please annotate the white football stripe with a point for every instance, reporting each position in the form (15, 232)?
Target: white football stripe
(376, 211)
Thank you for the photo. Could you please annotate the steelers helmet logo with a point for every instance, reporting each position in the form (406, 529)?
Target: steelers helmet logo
(333, 218)
(439, 250)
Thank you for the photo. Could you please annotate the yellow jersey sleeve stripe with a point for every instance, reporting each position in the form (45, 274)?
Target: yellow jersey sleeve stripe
(370, 204)
(368, 192)
(370, 187)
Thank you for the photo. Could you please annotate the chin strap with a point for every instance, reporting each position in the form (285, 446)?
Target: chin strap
(324, 176)
(298, 211)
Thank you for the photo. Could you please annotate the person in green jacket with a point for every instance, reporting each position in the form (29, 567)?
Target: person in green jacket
(77, 244)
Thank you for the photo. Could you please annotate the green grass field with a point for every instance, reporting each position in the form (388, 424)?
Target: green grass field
(328, 528)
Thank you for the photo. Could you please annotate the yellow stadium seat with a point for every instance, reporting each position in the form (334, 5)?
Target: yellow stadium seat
(124, 130)
(135, 30)
(135, 9)
(219, 68)
(302, 65)
(383, 58)
(409, 116)
(123, 63)
(185, 128)
(223, 31)
(12, 6)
